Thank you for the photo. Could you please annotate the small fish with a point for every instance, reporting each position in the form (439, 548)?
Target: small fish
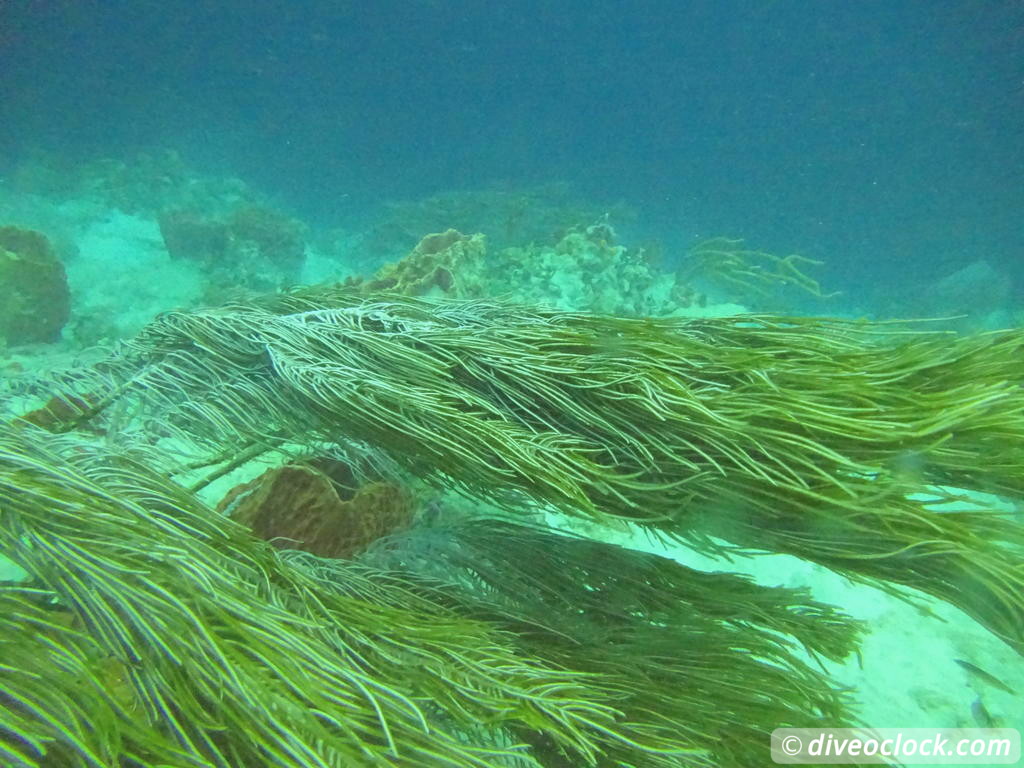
(989, 679)
(982, 718)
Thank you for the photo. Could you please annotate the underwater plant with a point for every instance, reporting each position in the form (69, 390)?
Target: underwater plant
(733, 434)
(746, 272)
(775, 434)
(157, 632)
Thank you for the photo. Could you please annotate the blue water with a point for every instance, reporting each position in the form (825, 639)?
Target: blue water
(883, 137)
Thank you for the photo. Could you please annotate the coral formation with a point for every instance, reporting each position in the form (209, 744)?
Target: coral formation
(253, 246)
(302, 507)
(59, 414)
(585, 268)
(507, 215)
(260, 232)
(975, 297)
(34, 297)
(191, 235)
(142, 183)
(446, 263)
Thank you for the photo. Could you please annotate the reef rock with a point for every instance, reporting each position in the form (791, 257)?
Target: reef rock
(34, 298)
(190, 235)
(252, 247)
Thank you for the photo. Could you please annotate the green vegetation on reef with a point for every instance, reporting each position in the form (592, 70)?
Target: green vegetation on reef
(492, 642)
(746, 273)
(156, 632)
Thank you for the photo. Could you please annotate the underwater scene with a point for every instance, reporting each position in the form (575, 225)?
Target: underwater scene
(540, 384)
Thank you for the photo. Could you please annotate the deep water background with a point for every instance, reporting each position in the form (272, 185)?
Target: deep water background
(883, 137)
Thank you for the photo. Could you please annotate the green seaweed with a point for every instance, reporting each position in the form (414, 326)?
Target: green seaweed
(158, 632)
(774, 434)
(771, 433)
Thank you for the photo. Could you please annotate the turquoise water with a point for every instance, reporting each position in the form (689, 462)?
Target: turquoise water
(681, 161)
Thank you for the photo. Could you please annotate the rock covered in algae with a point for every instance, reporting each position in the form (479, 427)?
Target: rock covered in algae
(34, 297)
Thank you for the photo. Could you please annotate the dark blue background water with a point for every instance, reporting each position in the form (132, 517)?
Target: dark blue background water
(882, 136)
